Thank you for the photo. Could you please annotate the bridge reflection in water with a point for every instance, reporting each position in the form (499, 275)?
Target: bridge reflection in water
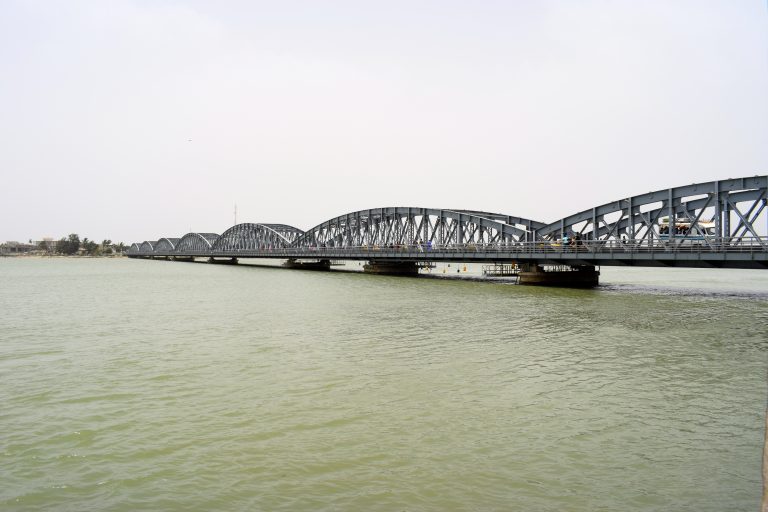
(716, 224)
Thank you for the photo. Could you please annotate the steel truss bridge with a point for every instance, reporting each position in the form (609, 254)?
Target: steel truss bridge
(716, 224)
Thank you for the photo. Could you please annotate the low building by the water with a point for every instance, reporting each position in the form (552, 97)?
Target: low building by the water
(12, 247)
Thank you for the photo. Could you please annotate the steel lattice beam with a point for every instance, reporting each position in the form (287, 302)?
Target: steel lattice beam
(726, 221)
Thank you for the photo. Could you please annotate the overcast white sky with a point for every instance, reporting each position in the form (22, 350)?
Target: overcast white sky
(136, 119)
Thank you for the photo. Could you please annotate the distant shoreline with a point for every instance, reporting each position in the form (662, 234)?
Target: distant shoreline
(43, 256)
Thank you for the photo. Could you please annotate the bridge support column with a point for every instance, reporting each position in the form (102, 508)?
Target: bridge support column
(391, 268)
(184, 258)
(308, 265)
(228, 261)
(564, 276)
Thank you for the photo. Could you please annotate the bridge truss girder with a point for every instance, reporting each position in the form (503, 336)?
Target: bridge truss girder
(196, 243)
(147, 247)
(403, 226)
(166, 244)
(736, 206)
(253, 236)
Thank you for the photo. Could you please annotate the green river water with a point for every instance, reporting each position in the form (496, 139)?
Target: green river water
(146, 385)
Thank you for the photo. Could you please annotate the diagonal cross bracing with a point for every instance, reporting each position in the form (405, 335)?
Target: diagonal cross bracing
(722, 212)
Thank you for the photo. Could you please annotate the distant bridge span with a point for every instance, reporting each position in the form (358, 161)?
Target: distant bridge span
(715, 224)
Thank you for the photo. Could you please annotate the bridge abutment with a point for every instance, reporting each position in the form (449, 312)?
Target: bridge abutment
(391, 268)
(565, 276)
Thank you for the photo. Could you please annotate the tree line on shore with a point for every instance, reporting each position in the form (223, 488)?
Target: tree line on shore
(73, 245)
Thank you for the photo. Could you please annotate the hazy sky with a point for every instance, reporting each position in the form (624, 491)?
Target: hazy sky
(133, 120)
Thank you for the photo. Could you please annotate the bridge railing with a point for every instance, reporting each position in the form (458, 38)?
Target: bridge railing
(744, 245)
(555, 247)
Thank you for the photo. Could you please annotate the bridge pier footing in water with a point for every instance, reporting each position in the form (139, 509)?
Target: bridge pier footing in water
(564, 276)
(308, 265)
(227, 261)
(184, 258)
(391, 268)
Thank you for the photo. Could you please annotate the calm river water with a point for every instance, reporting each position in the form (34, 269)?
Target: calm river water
(140, 385)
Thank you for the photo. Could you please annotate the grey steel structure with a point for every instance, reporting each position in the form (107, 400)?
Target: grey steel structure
(715, 224)
(166, 244)
(255, 237)
(195, 243)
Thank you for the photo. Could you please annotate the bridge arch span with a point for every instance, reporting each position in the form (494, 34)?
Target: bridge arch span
(410, 226)
(730, 210)
(165, 245)
(147, 247)
(197, 243)
(254, 236)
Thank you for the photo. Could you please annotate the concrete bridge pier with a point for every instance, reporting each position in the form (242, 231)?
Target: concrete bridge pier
(227, 261)
(391, 268)
(184, 258)
(565, 276)
(307, 265)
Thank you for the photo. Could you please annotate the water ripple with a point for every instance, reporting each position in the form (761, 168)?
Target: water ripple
(231, 388)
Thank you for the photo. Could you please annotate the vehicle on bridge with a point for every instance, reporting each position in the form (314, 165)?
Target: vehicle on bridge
(686, 231)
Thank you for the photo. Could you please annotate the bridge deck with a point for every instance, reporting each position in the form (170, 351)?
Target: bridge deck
(619, 254)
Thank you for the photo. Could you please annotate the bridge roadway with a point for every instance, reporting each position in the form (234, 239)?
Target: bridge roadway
(631, 253)
(715, 224)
